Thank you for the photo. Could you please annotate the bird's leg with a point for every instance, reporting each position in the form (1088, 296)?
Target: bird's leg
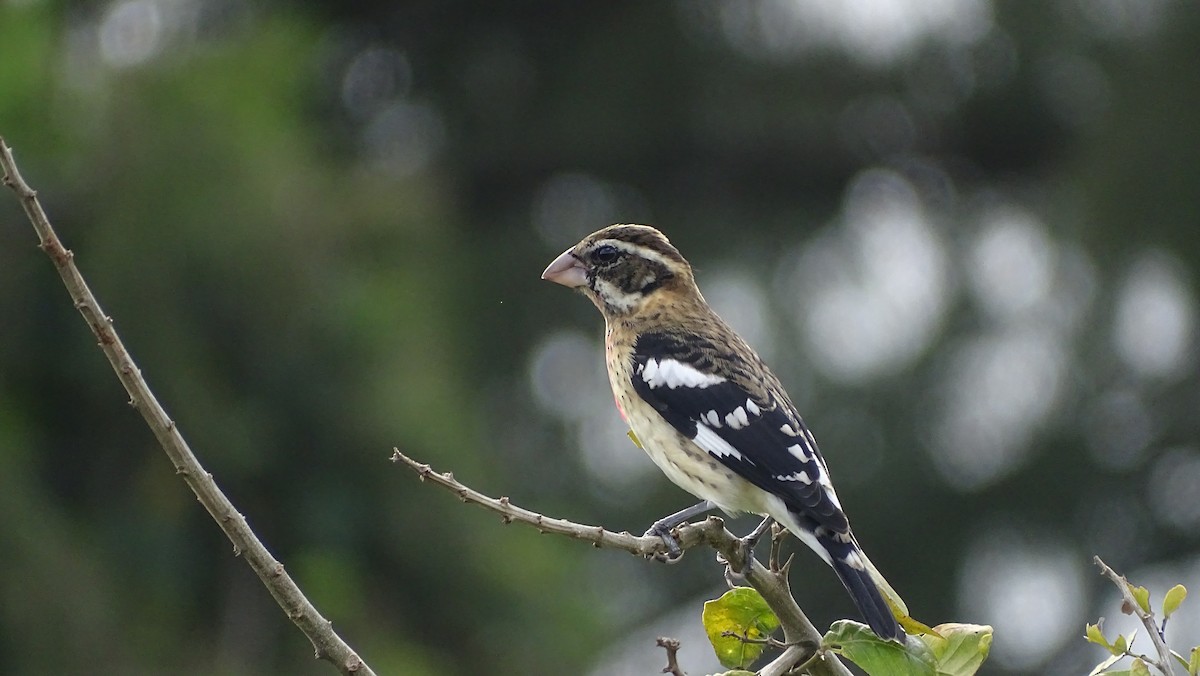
(751, 540)
(663, 527)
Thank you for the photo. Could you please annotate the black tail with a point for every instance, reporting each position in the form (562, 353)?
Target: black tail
(864, 592)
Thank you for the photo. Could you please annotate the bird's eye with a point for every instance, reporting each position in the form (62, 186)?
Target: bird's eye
(606, 254)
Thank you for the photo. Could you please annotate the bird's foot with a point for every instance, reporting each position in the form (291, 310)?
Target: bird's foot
(749, 542)
(664, 530)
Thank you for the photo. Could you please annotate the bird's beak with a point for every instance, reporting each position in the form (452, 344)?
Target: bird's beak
(566, 270)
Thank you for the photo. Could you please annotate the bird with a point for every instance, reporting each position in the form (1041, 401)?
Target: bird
(707, 410)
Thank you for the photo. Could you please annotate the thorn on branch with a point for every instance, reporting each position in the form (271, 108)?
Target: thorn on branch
(287, 594)
(671, 645)
(711, 532)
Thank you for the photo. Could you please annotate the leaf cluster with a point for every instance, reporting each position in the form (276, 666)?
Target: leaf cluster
(739, 625)
(1137, 602)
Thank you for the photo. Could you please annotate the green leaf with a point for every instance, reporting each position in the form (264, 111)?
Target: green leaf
(1175, 596)
(1108, 662)
(959, 649)
(1139, 668)
(742, 612)
(1094, 635)
(1120, 645)
(735, 672)
(1179, 658)
(1142, 596)
(857, 643)
(1194, 662)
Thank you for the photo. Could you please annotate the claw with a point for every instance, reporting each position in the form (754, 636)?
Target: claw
(663, 529)
(751, 540)
(664, 532)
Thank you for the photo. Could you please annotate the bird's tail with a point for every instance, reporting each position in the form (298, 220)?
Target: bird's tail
(867, 587)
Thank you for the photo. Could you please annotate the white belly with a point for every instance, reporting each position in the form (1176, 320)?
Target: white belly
(689, 466)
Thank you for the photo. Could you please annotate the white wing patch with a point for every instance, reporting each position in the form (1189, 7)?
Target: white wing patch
(674, 374)
(708, 440)
(712, 418)
(786, 428)
(854, 560)
(800, 452)
(800, 476)
(738, 419)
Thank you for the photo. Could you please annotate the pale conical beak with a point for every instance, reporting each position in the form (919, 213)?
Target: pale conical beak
(566, 270)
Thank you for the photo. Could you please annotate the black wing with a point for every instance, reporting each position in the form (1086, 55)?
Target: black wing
(762, 438)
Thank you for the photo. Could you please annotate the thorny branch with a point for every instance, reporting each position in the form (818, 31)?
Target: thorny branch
(1164, 663)
(328, 645)
(798, 631)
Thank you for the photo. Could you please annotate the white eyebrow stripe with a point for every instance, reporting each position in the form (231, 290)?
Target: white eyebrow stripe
(634, 249)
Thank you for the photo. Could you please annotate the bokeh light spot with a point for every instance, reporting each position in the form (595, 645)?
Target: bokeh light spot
(873, 32)
(566, 370)
(1012, 263)
(869, 296)
(375, 77)
(131, 33)
(404, 138)
(1030, 591)
(1155, 319)
(1173, 489)
(997, 392)
(1118, 428)
(570, 205)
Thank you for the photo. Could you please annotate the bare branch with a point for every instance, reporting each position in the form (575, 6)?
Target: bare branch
(1164, 663)
(798, 631)
(328, 645)
(671, 645)
(791, 658)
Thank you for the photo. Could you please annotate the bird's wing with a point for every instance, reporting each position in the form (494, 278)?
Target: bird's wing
(762, 438)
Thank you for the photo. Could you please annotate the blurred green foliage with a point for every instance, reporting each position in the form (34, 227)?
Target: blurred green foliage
(319, 231)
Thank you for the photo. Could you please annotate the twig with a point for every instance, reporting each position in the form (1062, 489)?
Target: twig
(773, 586)
(1164, 662)
(327, 644)
(671, 645)
(794, 656)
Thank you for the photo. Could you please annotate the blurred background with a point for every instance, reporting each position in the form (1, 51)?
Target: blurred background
(963, 232)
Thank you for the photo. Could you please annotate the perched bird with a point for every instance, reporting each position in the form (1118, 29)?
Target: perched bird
(706, 409)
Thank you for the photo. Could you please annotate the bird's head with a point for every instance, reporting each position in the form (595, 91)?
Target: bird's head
(621, 267)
